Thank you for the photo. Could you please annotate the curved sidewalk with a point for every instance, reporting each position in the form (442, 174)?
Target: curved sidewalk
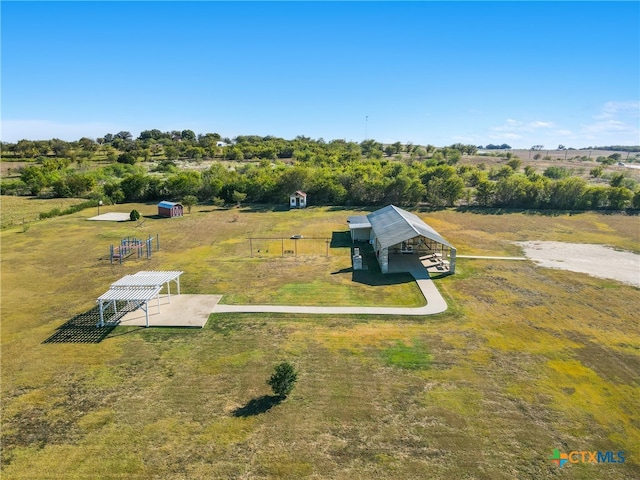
(435, 304)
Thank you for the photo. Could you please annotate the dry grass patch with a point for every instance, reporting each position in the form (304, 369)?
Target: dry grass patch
(525, 360)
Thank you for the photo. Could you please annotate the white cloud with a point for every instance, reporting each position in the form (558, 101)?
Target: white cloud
(614, 109)
(511, 125)
(616, 124)
(506, 136)
(609, 126)
(539, 124)
(567, 133)
(466, 138)
(512, 136)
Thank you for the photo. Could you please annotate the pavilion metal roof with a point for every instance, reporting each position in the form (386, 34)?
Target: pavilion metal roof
(358, 221)
(392, 225)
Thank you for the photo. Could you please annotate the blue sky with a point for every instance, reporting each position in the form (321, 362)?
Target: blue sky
(522, 73)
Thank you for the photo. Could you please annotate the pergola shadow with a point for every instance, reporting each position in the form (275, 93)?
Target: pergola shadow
(83, 327)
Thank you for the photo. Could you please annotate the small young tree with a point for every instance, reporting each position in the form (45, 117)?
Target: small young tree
(134, 215)
(189, 201)
(283, 379)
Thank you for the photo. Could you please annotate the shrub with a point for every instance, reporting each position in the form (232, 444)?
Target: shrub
(127, 158)
(556, 172)
(134, 215)
(283, 379)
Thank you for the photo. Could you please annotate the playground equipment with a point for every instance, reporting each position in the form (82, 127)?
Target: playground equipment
(130, 246)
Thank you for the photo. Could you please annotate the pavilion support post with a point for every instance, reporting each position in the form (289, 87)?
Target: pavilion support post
(452, 261)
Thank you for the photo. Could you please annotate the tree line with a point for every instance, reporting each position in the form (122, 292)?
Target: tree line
(258, 169)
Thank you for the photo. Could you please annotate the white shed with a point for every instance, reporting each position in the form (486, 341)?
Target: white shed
(298, 199)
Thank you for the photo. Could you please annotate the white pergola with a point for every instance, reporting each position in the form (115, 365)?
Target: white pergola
(138, 290)
(148, 279)
(138, 296)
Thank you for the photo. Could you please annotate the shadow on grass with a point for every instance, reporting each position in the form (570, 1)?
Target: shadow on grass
(372, 275)
(550, 212)
(364, 208)
(340, 240)
(83, 327)
(258, 405)
(372, 278)
(343, 270)
(262, 208)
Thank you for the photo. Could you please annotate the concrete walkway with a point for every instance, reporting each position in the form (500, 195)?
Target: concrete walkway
(435, 304)
(483, 257)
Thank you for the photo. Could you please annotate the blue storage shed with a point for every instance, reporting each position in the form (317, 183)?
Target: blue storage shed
(170, 209)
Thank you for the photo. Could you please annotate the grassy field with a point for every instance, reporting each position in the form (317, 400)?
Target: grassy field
(525, 360)
(19, 210)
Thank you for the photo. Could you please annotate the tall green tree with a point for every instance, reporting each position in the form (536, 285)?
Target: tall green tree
(134, 187)
(34, 178)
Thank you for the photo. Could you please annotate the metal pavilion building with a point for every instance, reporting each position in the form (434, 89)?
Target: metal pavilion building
(394, 233)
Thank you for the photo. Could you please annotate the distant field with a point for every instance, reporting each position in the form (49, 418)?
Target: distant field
(16, 210)
(526, 359)
(567, 154)
(576, 166)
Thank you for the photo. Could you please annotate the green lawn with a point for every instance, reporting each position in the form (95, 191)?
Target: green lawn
(525, 360)
(20, 210)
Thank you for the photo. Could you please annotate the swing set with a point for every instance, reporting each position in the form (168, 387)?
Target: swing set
(130, 246)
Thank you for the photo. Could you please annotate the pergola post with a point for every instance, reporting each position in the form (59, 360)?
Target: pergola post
(452, 261)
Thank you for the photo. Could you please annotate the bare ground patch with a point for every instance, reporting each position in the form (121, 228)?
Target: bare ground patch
(596, 260)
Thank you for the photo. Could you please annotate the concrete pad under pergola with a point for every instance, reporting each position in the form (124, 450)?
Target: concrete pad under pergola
(184, 311)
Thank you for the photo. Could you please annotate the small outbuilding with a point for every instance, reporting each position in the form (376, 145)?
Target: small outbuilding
(170, 209)
(298, 199)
